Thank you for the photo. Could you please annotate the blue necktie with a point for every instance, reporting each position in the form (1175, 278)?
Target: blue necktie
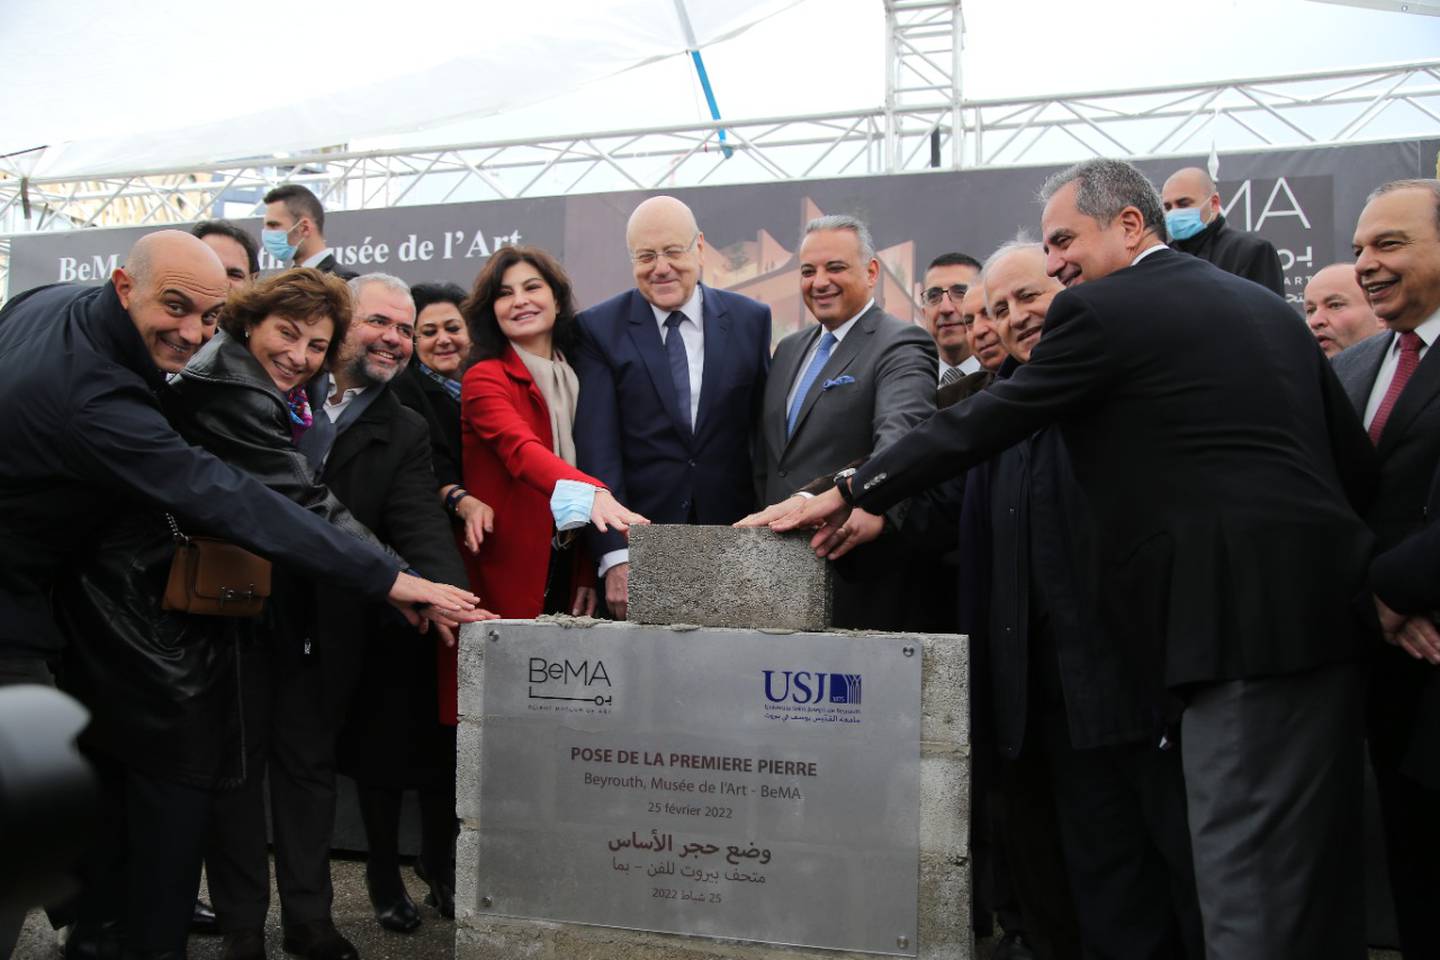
(817, 363)
(679, 364)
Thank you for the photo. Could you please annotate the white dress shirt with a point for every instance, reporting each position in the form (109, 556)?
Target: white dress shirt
(315, 260)
(1427, 332)
(966, 367)
(334, 408)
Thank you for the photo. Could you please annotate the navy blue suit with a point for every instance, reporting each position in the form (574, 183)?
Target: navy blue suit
(630, 432)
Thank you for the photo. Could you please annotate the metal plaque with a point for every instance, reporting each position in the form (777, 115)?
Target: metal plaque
(725, 783)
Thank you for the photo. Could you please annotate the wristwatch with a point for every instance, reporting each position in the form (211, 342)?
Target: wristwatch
(842, 483)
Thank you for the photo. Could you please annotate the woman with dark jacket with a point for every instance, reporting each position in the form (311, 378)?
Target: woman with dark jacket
(166, 689)
(431, 387)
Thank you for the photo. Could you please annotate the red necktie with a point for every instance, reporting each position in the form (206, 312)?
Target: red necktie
(1410, 344)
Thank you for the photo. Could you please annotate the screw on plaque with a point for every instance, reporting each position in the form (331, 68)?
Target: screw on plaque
(486, 902)
(493, 635)
(903, 942)
(909, 651)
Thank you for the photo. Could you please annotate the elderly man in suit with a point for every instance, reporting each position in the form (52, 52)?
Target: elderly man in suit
(1223, 467)
(1393, 380)
(840, 390)
(671, 374)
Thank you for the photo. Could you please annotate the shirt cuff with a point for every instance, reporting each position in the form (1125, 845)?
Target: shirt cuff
(613, 558)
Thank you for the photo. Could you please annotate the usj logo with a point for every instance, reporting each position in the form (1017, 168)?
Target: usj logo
(809, 686)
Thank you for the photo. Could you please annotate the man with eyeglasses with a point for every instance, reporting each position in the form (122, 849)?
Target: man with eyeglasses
(946, 280)
(672, 374)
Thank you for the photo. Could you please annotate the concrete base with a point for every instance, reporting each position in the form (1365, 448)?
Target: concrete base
(944, 906)
(724, 577)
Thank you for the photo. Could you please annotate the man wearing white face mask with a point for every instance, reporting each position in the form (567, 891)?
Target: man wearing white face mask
(294, 231)
(1196, 226)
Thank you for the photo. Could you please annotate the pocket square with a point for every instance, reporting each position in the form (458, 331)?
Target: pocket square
(839, 381)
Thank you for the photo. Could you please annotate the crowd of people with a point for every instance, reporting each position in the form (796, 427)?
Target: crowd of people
(1114, 457)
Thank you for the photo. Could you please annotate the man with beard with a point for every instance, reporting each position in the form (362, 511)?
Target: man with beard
(373, 453)
(1223, 469)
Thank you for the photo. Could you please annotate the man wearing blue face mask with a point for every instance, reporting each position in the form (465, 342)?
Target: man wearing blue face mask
(1196, 226)
(294, 231)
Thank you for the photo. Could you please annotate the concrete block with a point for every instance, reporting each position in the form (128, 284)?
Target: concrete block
(724, 577)
(468, 737)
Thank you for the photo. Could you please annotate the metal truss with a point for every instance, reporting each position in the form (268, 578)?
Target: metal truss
(923, 124)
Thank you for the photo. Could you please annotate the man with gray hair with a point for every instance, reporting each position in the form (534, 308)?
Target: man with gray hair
(1223, 467)
(1197, 227)
(841, 390)
(374, 455)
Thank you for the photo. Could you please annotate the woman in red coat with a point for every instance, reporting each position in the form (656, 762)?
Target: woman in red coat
(517, 405)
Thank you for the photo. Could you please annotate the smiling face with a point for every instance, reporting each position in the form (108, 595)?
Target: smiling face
(1077, 247)
(441, 338)
(1019, 293)
(1336, 311)
(835, 281)
(943, 318)
(380, 339)
(665, 250)
(1397, 257)
(525, 309)
(173, 287)
(291, 351)
(980, 330)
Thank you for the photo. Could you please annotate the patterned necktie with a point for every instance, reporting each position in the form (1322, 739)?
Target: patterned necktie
(679, 363)
(1410, 344)
(817, 363)
(951, 375)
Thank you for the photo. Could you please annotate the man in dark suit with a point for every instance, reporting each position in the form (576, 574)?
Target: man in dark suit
(1393, 379)
(1197, 227)
(294, 231)
(1220, 460)
(840, 390)
(671, 375)
(946, 280)
(374, 454)
(1063, 691)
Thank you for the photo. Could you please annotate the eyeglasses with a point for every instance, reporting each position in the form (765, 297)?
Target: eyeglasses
(645, 258)
(956, 290)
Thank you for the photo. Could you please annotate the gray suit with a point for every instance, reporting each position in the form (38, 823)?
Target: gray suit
(878, 383)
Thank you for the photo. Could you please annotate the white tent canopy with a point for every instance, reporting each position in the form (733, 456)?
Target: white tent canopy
(108, 87)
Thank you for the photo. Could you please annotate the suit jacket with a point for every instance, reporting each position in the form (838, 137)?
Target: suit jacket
(630, 432)
(508, 462)
(881, 383)
(1217, 452)
(331, 265)
(379, 467)
(1235, 251)
(1409, 455)
(950, 394)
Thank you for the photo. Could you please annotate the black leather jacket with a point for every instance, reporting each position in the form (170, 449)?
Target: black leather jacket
(164, 687)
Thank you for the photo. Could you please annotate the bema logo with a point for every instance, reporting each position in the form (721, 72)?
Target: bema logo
(808, 686)
(565, 671)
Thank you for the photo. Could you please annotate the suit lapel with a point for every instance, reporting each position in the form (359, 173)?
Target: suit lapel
(1359, 383)
(1422, 388)
(783, 372)
(372, 426)
(841, 358)
(716, 326)
(645, 334)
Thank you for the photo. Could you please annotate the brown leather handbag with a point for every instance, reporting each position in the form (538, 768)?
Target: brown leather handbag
(215, 578)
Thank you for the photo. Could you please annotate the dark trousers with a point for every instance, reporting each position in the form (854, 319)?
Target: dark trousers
(1025, 825)
(1127, 847)
(1409, 800)
(145, 871)
(300, 727)
(1273, 780)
